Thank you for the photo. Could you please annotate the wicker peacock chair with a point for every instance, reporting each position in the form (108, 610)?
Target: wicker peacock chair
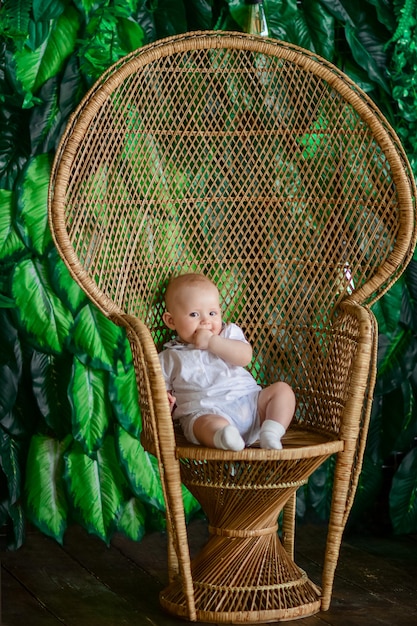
(266, 168)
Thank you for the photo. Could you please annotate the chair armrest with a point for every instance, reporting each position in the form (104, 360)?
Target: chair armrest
(333, 372)
(156, 415)
(360, 391)
(158, 438)
(357, 324)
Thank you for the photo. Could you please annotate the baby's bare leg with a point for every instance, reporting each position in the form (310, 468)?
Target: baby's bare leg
(214, 431)
(276, 406)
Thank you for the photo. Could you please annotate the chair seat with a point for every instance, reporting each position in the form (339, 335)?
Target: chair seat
(298, 443)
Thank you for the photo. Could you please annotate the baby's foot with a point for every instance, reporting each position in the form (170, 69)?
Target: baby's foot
(228, 438)
(270, 435)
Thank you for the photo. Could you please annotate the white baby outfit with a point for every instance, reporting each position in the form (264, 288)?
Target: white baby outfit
(203, 383)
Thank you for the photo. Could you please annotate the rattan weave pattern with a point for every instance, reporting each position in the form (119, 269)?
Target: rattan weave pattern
(265, 167)
(202, 151)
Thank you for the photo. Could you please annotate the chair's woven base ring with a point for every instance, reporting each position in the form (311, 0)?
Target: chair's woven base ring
(178, 608)
(285, 600)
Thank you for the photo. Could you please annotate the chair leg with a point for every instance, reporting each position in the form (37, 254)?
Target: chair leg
(288, 525)
(334, 539)
(337, 522)
(173, 565)
(179, 565)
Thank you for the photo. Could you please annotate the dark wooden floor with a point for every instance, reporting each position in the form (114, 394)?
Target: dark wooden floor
(85, 583)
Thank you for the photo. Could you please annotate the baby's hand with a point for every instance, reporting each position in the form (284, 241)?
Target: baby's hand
(201, 338)
(172, 400)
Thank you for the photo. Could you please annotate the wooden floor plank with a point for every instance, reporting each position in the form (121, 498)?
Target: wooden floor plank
(21, 607)
(138, 587)
(365, 582)
(72, 594)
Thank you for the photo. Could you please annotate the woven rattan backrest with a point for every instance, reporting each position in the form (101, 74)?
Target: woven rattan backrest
(246, 159)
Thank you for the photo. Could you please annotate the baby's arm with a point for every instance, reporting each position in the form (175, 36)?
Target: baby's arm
(172, 401)
(233, 351)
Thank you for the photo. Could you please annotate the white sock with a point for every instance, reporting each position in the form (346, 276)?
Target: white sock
(228, 438)
(270, 435)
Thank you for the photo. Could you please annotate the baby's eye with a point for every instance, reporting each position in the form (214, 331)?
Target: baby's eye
(213, 313)
(194, 314)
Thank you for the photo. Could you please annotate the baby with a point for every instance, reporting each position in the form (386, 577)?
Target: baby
(218, 402)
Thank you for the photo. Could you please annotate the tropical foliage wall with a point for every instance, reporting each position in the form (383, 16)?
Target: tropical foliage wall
(69, 418)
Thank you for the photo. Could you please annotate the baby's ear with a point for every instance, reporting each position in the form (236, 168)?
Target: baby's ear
(168, 321)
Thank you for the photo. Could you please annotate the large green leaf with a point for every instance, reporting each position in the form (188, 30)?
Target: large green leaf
(46, 504)
(320, 489)
(396, 360)
(95, 339)
(9, 341)
(409, 297)
(85, 5)
(132, 519)
(64, 285)
(397, 402)
(97, 488)
(10, 242)
(89, 6)
(45, 10)
(170, 18)
(109, 35)
(34, 67)
(385, 13)
(15, 532)
(59, 96)
(15, 17)
(307, 24)
(130, 33)
(40, 312)
(14, 132)
(10, 464)
(90, 406)
(32, 215)
(387, 311)
(321, 30)
(365, 35)
(199, 14)
(368, 490)
(407, 433)
(373, 442)
(60, 45)
(9, 384)
(141, 469)
(403, 495)
(125, 354)
(142, 472)
(44, 13)
(50, 379)
(368, 52)
(123, 394)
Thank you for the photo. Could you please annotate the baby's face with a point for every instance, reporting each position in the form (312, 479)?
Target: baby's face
(194, 307)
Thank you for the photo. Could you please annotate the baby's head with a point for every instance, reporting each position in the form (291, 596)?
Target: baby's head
(192, 303)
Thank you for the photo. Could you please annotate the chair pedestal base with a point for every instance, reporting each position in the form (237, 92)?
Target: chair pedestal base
(264, 584)
(243, 574)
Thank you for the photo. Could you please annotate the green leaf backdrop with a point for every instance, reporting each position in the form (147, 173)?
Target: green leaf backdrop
(69, 416)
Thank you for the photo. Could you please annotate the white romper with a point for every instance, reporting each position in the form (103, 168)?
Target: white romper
(203, 383)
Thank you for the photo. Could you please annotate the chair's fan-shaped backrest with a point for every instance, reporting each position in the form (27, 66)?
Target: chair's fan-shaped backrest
(246, 159)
